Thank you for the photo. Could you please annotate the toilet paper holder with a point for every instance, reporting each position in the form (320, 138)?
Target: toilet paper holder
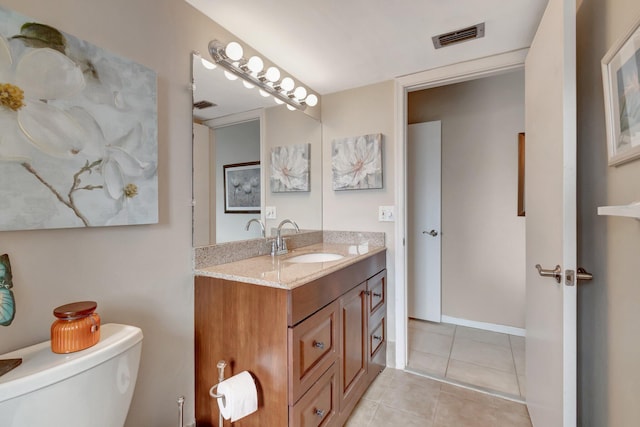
(221, 365)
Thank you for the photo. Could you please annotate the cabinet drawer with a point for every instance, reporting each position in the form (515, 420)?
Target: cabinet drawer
(377, 336)
(376, 292)
(377, 346)
(318, 407)
(312, 349)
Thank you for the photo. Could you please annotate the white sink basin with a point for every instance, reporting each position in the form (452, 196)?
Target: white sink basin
(315, 257)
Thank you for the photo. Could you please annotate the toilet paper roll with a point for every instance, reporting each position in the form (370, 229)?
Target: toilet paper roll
(240, 396)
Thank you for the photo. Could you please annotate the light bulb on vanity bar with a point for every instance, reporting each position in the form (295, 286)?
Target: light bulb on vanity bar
(234, 51)
(311, 100)
(255, 64)
(287, 84)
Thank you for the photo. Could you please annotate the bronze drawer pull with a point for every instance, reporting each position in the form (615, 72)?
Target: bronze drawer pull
(377, 295)
(319, 345)
(377, 337)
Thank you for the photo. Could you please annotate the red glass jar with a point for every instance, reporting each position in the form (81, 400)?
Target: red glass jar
(77, 327)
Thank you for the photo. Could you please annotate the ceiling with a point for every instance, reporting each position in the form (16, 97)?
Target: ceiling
(334, 45)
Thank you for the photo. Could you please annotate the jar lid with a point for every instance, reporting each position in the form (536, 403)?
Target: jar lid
(75, 310)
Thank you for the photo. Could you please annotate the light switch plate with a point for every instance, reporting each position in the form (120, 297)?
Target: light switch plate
(386, 213)
(270, 212)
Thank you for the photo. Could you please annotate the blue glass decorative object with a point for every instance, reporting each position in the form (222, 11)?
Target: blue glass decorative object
(7, 301)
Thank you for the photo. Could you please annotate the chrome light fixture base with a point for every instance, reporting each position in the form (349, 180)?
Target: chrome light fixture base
(241, 69)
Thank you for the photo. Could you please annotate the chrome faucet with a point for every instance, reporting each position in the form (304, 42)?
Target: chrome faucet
(280, 244)
(259, 223)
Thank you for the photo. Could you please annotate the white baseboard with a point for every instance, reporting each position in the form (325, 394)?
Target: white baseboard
(486, 326)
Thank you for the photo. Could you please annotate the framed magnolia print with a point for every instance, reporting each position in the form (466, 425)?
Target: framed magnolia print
(620, 71)
(290, 168)
(242, 188)
(79, 131)
(356, 162)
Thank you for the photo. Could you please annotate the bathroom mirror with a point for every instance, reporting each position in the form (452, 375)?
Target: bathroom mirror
(233, 126)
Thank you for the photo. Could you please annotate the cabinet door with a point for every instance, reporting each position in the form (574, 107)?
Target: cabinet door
(353, 323)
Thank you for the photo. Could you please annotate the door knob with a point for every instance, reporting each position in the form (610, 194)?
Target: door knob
(433, 233)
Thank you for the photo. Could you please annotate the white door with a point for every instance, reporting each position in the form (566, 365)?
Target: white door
(423, 220)
(550, 126)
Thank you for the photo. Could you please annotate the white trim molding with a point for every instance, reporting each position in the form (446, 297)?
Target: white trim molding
(454, 73)
(493, 327)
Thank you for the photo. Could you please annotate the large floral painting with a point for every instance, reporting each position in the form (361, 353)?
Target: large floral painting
(78, 146)
(357, 162)
(290, 168)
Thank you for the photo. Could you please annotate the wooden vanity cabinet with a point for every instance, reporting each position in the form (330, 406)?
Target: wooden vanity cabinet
(313, 350)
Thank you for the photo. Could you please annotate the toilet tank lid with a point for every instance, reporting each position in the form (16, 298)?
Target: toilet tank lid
(41, 367)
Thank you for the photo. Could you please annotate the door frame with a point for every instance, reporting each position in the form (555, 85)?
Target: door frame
(456, 73)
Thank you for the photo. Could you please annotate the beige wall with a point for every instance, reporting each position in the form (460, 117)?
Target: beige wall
(609, 306)
(281, 128)
(483, 239)
(204, 227)
(139, 275)
(355, 112)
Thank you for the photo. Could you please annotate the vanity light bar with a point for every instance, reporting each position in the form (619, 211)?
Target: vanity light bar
(240, 68)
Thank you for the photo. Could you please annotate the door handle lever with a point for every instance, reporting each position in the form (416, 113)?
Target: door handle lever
(432, 233)
(583, 274)
(556, 273)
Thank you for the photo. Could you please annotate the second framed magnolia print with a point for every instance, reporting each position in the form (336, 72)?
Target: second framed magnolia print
(356, 162)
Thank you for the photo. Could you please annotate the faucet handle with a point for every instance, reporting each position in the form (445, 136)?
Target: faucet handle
(283, 247)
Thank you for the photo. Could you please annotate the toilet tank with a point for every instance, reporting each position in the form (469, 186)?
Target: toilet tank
(89, 388)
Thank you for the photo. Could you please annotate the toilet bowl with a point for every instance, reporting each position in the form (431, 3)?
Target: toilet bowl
(92, 387)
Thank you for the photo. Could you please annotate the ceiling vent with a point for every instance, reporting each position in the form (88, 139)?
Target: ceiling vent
(458, 36)
(201, 105)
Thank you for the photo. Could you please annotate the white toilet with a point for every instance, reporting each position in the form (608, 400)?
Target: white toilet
(89, 388)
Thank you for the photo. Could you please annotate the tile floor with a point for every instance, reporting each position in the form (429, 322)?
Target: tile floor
(397, 398)
(486, 360)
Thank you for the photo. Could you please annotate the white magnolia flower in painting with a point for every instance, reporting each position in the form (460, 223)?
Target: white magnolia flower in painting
(27, 88)
(354, 160)
(290, 167)
(119, 167)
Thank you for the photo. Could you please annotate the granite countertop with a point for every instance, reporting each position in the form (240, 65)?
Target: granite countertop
(277, 272)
